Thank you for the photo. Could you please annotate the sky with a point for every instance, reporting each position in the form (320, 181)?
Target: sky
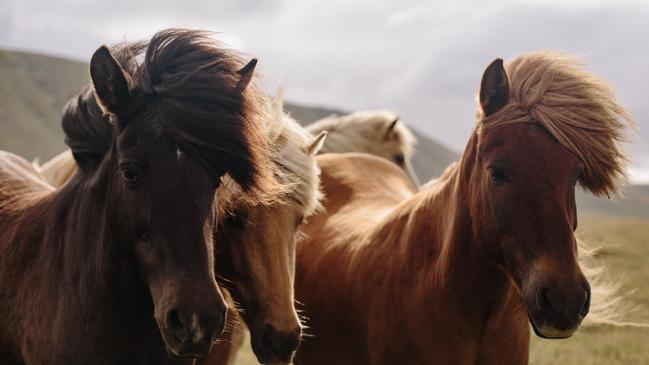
(422, 59)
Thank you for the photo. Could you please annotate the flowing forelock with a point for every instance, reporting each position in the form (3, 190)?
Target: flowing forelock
(293, 168)
(577, 108)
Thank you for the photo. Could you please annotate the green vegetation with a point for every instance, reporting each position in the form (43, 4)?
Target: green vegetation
(33, 90)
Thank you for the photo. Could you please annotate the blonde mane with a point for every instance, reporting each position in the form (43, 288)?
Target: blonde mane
(579, 109)
(59, 169)
(366, 131)
(292, 165)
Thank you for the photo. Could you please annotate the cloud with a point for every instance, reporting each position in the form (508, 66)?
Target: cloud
(423, 59)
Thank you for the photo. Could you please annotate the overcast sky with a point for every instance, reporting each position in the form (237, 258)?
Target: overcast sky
(422, 59)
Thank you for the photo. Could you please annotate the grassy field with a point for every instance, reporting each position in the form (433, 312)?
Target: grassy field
(626, 255)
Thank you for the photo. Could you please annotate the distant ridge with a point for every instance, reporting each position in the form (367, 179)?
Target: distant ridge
(34, 88)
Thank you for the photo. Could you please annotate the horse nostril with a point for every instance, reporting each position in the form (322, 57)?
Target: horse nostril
(175, 325)
(293, 339)
(551, 300)
(586, 305)
(220, 322)
(282, 344)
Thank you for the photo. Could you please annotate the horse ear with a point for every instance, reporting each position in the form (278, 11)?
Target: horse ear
(316, 144)
(391, 127)
(110, 82)
(494, 88)
(246, 74)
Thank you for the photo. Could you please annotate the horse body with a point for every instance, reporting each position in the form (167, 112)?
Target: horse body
(255, 242)
(35, 249)
(397, 309)
(256, 261)
(377, 132)
(454, 273)
(117, 266)
(59, 169)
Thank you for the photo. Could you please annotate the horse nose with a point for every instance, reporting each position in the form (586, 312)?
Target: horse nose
(195, 332)
(282, 344)
(565, 304)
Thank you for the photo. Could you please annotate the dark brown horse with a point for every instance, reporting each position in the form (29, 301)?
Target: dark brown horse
(118, 264)
(255, 242)
(453, 273)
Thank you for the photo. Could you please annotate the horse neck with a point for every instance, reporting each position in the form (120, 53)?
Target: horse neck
(432, 240)
(80, 231)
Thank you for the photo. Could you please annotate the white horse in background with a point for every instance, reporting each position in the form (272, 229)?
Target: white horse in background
(378, 132)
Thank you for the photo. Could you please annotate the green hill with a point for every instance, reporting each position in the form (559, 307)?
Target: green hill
(34, 88)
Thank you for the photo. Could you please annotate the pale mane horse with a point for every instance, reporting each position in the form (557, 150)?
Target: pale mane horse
(59, 169)
(377, 132)
(257, 262)
(456, 273)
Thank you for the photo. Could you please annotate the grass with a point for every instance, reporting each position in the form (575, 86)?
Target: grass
(626, 256)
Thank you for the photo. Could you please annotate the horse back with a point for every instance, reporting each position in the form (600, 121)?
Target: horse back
(18, 177)
(360, 191)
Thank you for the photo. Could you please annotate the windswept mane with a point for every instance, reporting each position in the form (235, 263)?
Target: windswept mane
(293, 168)
(579, 109)
(195, 83)
(364, 131)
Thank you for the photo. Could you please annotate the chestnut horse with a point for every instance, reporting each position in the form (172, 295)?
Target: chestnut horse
(452, 274)
(117, 266)
(256, 247)
(377, 132)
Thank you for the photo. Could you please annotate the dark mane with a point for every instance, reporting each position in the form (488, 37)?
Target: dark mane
(87, 130)
(193, 80)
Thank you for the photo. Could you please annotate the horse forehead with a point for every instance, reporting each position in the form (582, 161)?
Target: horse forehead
(521, 142)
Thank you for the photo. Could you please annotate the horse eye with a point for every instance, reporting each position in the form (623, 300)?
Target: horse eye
(498, 175)
(130, 176)
(399, 159)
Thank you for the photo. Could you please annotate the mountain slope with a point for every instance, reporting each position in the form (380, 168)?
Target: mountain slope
(33, 90)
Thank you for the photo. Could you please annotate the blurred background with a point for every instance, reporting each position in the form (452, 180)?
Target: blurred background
(422, 59)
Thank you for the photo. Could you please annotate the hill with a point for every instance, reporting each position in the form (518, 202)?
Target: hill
(34, 88)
